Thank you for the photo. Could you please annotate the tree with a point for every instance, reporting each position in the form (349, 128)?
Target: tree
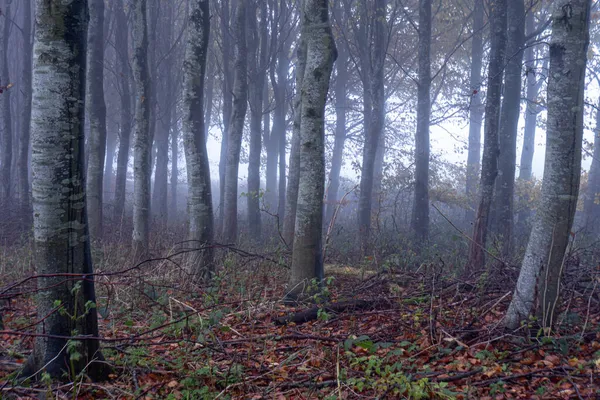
(201, 227)
(320, 55)
(489, 166)
(509, 121)
(591, 205)
(62, 243)
(5, 100)
(96, 110)
(142, 140)
(545, 255)
(125, 120)
(420, 216)
(374, 117)
(236, 127)
(475, 109)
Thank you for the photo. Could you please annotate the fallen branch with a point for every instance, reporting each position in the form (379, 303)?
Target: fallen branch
(313, 313)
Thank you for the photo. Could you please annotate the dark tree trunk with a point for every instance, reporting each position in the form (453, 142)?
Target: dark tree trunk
(6, 136)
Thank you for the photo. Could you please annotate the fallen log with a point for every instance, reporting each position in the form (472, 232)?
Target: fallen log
(311, 314)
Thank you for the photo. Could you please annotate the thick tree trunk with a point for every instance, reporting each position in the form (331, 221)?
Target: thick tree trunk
(591, 205)
(142, 139)
(374, 118)
(307, 262)
(6, 136)
(475, 111)
(96, 108)
(507, 133)
(200, 206)
(59, 205)
(420, 216)
(340, 89)
(236, 127)
(489, 165)
(23, 154)
(125, 119)
(544, 258)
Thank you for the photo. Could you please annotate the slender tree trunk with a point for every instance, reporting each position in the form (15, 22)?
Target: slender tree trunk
(59, 205)
(374, 118)
(509, 121)
(591, 205)
(320, 55)
(174, 168)
(236, 127)
(210, 89)
(125, 119)
(544, 258)
(475, 111)
(489, 165)
(6, 138)
(23, 154)
(97, 118)
(111, 147)
(200, 206)
(420, 216)
(340, 90)
(142, 138)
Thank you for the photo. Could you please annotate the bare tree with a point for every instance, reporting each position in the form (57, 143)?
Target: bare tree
(96, 111)
(320, 55)
(236, 127)
(543, 263)
(6, 135)
(489, 165)
(142, 140)
(59, 205)
(591, 205)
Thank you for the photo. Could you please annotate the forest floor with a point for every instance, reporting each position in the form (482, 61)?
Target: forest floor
(387, 335)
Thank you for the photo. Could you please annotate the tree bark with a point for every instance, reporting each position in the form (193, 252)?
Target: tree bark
(544, 258)
(374, 118)
(489, 165)
(507, 133)
(6, 138)
(307, 260)
(125, 118)
(236, 127)
(200, 208)
(59, 205)
(142, 139)
(96, 108)
(475, 110)
(591, 205)
(420, 216)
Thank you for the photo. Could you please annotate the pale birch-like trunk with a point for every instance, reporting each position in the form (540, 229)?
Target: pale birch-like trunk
(591, 205)
(200, 209)
(96, 109)
(420, 215)
(25, 131)
(489, 163)
(543, 263)
(61, 237)
(236, 127)
(507, 132)
(6, 135)
(475, 111)
(142, 140)
(125, 117)
(307, 263)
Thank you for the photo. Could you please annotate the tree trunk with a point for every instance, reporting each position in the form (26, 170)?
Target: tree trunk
(307, 262)
(507, 133)
(420, 216)
(200, 207)
(142, 140)
(374, 118)
(544, 258)
(125, 120)
(23, 155)
(475, 111)
(111, 147)
(59, 205)
(591, 205)
(236, 127)
(96, 108)
(6, 138)
(489, 165)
